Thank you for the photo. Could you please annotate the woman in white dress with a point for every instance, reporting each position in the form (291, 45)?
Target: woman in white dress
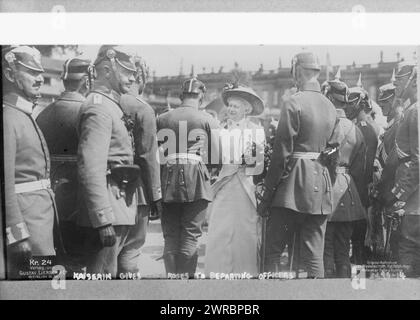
(233, 236)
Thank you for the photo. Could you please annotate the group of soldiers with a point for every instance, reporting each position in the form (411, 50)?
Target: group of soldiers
(83, 179)
(331, 189)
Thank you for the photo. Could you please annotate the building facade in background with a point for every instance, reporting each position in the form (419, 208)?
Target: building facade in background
(271, 85)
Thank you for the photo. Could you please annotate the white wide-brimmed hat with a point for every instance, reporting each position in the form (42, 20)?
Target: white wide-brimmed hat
(246, 93)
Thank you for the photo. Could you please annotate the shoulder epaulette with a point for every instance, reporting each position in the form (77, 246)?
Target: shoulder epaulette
(97, 98)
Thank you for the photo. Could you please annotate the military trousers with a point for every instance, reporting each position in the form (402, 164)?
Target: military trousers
(282, 225)
(337, 249)
(123, 256)
(409, 245)
(182, 226)
(360, 252)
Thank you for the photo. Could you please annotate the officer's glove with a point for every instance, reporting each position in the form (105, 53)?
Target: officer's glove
(156, 210)
(20, 252)
(107, 236)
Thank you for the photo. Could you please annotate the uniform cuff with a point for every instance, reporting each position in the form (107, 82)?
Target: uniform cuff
(16, 233)
(101, 217)
(399, 193)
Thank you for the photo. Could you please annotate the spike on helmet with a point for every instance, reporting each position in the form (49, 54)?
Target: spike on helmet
(358, 100)
(336, 90)
(193, 86)
(338, 74)
(359, 82)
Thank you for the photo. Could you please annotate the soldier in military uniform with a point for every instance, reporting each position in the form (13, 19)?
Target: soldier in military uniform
(190, 139)
(356, 109)
(298, 189)
(383, 179)
(349, 176)
(107, 175)
(386, 100)
(145, 152)
(29, 200)
(402, 201)
(58, 123)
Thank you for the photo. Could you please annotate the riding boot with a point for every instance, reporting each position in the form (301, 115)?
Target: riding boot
(170, 261)
(187, 264)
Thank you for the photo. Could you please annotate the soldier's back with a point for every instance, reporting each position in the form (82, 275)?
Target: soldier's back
(316, 116)
(307, 123)
(190, 180)
(58, 123)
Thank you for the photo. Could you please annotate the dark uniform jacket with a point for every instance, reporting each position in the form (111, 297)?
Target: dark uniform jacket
(26, 159)
(187, 180)
(406, 186)
(371, 141)
(386, 158)
(145, 143)
(351, 171)
(103, 141)
(58, 123)
(307, 123)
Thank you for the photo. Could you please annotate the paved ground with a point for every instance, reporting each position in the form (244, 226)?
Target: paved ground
(151, 262)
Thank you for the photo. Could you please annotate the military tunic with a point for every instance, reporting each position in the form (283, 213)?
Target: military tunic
(407, 175)
(187, 127)
(350, 173)
(29, 215)
(371, 141)
(104, 141)
(303, 199)
(360, 226)
(347, 204)
(58, 123)
(145, 142)
(307, 121)
(146, 157)
(191, 141)
(406, 189)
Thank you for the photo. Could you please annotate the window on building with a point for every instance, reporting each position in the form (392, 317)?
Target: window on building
(265, 96)
(276, 95)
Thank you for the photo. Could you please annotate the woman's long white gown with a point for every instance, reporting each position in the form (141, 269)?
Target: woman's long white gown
(233, 235)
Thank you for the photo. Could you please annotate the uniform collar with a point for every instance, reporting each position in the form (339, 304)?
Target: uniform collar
(18, 102)
(111, 94)
(340, 113)
(72, 96)
(311, 86)
(187, 105)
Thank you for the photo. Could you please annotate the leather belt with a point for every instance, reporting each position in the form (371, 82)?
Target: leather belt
(43, 184)
(342, 170)
(63, 158)
(184, 156)
(306, 155)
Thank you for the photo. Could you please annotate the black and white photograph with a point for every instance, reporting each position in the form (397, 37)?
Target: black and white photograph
(209, 155)
(237, 162)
